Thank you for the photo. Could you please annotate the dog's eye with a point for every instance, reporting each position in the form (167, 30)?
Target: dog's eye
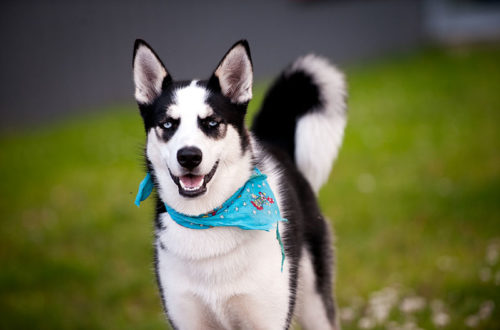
(210, 125)
(168, 124)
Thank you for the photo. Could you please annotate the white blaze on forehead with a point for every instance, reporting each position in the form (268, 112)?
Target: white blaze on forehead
(190, 101)
(189, 104)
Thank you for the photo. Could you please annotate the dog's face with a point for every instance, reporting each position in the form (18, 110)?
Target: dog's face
(195, 129)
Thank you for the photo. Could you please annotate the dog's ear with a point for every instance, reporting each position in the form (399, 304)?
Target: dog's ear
(234, 74)
(150, 75)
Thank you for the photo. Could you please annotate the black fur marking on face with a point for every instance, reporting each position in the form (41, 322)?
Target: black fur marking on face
(213, 127)
(155, 114)
(231, 113)
(168, 127)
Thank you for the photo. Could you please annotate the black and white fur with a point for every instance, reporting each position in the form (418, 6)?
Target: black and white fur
(199, 153)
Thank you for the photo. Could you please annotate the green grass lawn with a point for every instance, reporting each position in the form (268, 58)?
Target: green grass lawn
(414, 199)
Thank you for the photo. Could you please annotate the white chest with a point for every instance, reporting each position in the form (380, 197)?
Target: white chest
(214, 265)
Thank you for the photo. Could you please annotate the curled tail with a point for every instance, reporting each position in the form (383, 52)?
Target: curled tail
(304, 113)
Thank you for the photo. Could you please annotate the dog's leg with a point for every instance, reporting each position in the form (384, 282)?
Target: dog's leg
(189, 312)
(312, 312)
(247, 313)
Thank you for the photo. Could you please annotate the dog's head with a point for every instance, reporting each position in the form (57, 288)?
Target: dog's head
(196, 138)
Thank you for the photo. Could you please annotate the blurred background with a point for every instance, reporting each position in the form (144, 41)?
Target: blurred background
(414, 196)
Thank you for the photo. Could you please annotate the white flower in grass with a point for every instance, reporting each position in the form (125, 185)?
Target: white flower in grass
(381, 302)
(440, 319)
(347, 314)
(486, 309)
(472, 321)
(412, 304)
(380, 312)
(366, 323)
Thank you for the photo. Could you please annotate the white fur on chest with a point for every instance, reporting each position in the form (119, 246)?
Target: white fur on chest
(214, 265)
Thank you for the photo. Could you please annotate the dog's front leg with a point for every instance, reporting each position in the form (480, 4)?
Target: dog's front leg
(248, 313)
(186, 311)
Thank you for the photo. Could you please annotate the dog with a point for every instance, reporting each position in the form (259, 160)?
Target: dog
(226, 273)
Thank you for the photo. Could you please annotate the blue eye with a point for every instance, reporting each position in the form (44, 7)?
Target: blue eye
(213, 123)
(168, 124)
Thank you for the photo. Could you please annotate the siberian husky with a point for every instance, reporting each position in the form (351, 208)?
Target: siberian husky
(199, 155)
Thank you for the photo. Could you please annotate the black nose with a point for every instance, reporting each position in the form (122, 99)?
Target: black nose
(189, 157)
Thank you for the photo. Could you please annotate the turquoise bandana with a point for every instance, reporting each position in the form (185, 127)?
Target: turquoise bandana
(252, 207)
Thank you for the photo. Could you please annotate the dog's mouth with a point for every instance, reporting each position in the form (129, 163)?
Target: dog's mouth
(193, 185)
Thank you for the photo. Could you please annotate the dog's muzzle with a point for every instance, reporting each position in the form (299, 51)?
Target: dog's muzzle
(193, 185)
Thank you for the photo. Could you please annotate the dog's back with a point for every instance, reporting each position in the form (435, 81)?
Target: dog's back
(301, 123)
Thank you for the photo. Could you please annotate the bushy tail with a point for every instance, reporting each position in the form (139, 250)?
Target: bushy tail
(304, 113)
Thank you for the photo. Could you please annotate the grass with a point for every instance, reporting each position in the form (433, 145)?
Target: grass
(414, 198)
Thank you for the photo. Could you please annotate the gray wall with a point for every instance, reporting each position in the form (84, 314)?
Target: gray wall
(61, 57)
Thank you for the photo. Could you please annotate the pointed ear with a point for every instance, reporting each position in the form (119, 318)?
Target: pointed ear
(234, 74)
(150, 74)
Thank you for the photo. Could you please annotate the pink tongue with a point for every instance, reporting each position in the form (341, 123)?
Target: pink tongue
(192, 181)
